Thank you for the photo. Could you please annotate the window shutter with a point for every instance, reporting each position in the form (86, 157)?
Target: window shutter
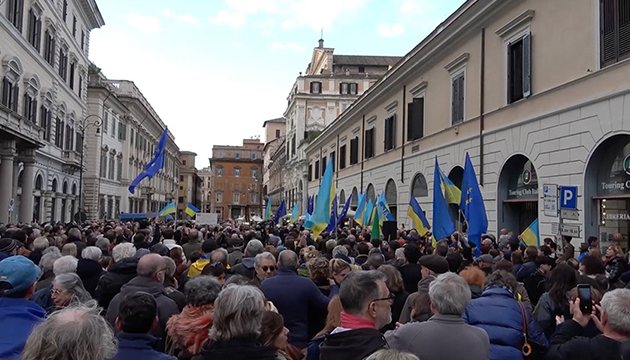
(38, 34)
(419, 118)
(393, 131)
(34, 112)
(16, 98)
(20, 14)
(624, 28)
(11, 14)
(454, 100)
(527, 65)
(608, 38)
(310, 85)
(460, 104)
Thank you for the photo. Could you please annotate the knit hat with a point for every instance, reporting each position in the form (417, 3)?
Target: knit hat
(487, 258)
(435, 263)
(19, 272)
(7, 245)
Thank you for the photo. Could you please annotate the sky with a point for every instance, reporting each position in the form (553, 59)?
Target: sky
(215, 70)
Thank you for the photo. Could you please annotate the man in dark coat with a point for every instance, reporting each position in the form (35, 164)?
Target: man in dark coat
(535, 283)
(89, 269)
(410, 272)
(246, 266)
(529, 266)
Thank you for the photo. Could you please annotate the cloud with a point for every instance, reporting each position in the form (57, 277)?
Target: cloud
(146, 24)
(288, 25)
(234, 19)
(384, 30)
(187, 19)
(292, 45)
(321, 14)
(253, 6)
(166, 12)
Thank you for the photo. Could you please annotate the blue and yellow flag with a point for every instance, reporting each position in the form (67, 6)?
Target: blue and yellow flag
(344, 210)
(452, 193)
(295, 213)
(383, 209)
(415, 213)
(325, 197)
(268, 210)
(191, 210)
(168, 209)
(359, 213)
(530, 235)
(442, 223)
(473, 207)
(376, 227)
(332, 225)
(367, 215)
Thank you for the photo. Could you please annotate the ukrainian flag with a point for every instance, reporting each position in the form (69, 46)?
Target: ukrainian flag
(295, 212)
(325, 197)
(530, 235)
(358, 215)
(368, 214)
(168, 209)
(452, 193)
(268, 210)
(191, 210)
(383, 209)
(415, 213)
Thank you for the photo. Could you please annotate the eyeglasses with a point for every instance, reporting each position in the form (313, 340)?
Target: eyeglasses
(56, 292)
(389, 297)
(268, 268)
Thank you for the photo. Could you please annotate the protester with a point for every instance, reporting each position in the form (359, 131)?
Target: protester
(38, 246)
(339, 268)
(43, 297)
(391, 355)
(366, 305)
(124, 269)
(430, 267)
(333, 319)
(246, 266)
(554, 302)
(18, 315)
(485, 262)
(68, 289)
(265, 266)
(615, 265)
(410, 272)
(395, 285)
(474, 277)
(46, 265)
(275, 335)
(529, 266)
(171, 285)
(195, 239)
(535, 284)
(89, 269)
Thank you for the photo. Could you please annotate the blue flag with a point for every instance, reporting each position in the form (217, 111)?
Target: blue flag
(472, 206)
(344, 211)
(442, 223)
(332, 225)
(310, 205)
(282, 211)
(325, 197)
(154, 165)
(383, 209)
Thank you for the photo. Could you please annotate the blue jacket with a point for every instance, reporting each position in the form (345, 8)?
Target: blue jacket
(18, 318)
(138, 347)
(498, 313)
(528, 268)
(294, 296)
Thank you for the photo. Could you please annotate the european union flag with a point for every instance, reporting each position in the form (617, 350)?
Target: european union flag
(282, 211)
(154, 165)
(472, 206)
(310, 205)
(344, 210)
(332, 225)
(442, 223)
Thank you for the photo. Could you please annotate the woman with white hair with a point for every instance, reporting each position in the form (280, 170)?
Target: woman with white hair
(123, 270)
(68, 289)
(89, 269)
(236, 327)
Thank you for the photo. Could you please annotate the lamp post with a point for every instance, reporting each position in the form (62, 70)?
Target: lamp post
(84, 126)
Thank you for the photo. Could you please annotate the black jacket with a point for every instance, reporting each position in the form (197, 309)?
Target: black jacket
(567, 343)
(352, 344)
(245, 268)
(80, 246)
(118, 275)
(397, 308)
(35, 256)
(535, 286)
(411, 277)
(90, 272)
(236, 349)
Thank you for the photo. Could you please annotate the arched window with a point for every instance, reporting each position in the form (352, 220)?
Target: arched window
(371, 194)
(20, 179)
(54, 186)
(419, 186)
(390, 193)
(64, 188)
(355, 198)
(342, 198)
(74, 189)
(10, 84)
(38, 182)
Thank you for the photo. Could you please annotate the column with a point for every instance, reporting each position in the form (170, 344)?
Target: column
(26, 208)
(7, 154)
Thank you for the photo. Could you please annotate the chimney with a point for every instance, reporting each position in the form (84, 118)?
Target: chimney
(321, 43)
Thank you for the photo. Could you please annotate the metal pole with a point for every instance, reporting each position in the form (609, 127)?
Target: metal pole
(81, 171)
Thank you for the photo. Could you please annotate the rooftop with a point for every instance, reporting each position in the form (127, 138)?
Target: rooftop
(278, 120)
(365, 60)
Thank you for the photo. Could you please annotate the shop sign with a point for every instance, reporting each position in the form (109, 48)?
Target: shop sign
(617, 216)
(522, 193)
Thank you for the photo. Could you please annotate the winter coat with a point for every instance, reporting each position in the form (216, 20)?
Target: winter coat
(352, 344)
(236, 349)
(568, 344)
(171, 291)
(535, 286)
(80, 247)
(498, 313)
(43, 299)
(294, 296)
(118, 275)
(528, 268)
(138, 347)
(245, 268)
(423, 290)
(235, 257)
(397, 308)
(411, 277)
(475, 291)
(190, 247)
(188, 331)
(166, 306)
(19, 317)
(614, 268)
(545, 314)
(45, 280)
(90, 272)
(35, 256)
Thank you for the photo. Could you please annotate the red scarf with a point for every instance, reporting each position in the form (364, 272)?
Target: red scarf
(354, 322)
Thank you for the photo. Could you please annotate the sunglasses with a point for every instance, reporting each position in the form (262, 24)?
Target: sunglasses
(268, 268)
(389, 297)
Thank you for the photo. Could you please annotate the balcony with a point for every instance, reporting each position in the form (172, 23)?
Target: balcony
(72, 161)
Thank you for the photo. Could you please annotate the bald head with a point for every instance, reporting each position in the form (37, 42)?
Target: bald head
(194, 234)
(288, 259)
(150, 264)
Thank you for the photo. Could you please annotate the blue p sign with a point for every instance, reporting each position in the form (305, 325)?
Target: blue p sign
(568, 197)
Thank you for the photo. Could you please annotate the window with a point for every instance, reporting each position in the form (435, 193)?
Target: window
(237, 155)
(183, 162)
(30, 108)
(111, 167)
(457, 98)
(390, 132)
(253, 198)
(78, 141)
(103, 163)
(354, 150)
(122, 131)
(332, 159)
(369, 143)
(342, 157)
(237, 172)
(69, 137)
(114, 127)
(323, 166)
(59, 133)
(119, 169)
(317, 169)
(181, 178)
(219, 171)
(615, 31)
(219, 197)
(106, 123)
(10, 93)
(254, 173)
(74, 26)
(82, 40)
(253, 156)
(519, 69)
(80, 86)
(344, 106)
(236, 197)
(71, 77)
(49, 47)
(44, 121)
(15, 13)
(348, 88)
(63, 65)
(310, 172)
(361, 69)
(277, 133)
(65, 10)
(293, 141)
(180, 200)
(415, 120)
(131, 136)
(316, 87)
(34, 29)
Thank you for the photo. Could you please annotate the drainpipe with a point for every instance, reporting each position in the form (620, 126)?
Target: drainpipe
(362, 150)
(481, 103)
(402, 154)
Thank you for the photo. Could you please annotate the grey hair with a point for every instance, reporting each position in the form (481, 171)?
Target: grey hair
(400, 253)
(266, 255)
(170, 266)
(41, 243)
(52, 249)
(288, 259)
(72, 282)
(65, 264)
(74, 232)
(450, 294)
(73, 333)
(391, 354)
(238, 312)
(47, 261)
(340, 249)
(616, 304)
(358, 289)
(122, 251)
(330, 244)
(91, 253)
(219, 255)
(501, 279)
(254, 247)
(103, 244)
(202, 290)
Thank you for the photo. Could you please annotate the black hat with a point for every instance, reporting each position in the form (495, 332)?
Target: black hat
(435, 263)
(7, 245)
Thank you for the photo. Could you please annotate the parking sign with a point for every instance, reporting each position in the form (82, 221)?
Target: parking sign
(568, 197)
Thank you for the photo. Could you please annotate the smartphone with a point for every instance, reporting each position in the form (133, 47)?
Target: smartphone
(586, 303)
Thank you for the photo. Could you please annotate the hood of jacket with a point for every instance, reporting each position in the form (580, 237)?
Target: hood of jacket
(21, 309)
(141, 283)
(125, 266)
(189, 329)
(423, 285)
(198, 266)
(352, 344)
(475, 291)
(248, 263)
(88, 268)
(236, 349)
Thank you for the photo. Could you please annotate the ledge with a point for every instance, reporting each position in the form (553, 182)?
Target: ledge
(457, 62)
(418, 89)
(527, 15)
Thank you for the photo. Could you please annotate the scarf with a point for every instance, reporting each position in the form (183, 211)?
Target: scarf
(354, 322)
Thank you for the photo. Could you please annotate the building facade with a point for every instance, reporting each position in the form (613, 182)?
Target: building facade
(329, 86)
(534, 101)
(206, 189)
(237, 180)
(121, 134)
(44, 48)
(189, 184)
(274, 158)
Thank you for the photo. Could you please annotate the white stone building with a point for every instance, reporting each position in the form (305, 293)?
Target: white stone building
(44, 47)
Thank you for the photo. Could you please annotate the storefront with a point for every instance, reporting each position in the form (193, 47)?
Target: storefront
(517, 196)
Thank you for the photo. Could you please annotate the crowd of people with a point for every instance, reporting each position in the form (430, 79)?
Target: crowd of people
(152, 290)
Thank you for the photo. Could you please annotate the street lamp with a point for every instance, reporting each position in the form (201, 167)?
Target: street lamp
(84, 126)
